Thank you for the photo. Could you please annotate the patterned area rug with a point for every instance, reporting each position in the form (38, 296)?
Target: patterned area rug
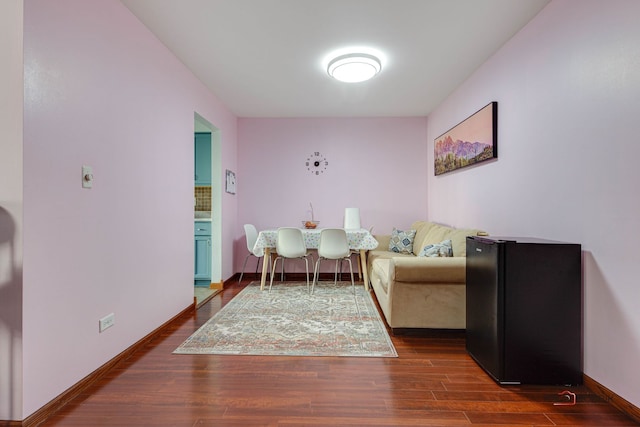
(289, 322)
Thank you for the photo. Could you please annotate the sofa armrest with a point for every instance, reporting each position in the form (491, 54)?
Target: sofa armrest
(428, 270)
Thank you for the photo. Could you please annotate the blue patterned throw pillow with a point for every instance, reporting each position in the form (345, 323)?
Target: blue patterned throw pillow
(402, 241)
(442, 249)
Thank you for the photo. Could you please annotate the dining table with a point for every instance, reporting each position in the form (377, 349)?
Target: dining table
(360, 240)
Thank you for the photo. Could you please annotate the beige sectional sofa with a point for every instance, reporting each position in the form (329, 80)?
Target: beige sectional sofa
(422, 292)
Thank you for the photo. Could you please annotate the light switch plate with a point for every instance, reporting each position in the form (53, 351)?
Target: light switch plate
(87, 177)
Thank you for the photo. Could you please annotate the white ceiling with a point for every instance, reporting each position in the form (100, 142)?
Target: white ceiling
(264, 58)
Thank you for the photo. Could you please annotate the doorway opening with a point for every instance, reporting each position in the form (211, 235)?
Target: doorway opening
(208, 195)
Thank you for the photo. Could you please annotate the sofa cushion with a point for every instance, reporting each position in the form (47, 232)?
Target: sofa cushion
(459, 240)
(428, 270)
(437, 233)
(383, 253)
(422, 228)
(442, 249)
(402, 241)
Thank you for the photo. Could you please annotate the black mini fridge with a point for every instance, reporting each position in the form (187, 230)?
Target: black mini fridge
(524, 309)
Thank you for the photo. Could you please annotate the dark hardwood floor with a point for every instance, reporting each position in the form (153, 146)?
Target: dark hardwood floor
(433, 382)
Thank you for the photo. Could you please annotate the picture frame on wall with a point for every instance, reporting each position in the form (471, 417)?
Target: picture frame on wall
(230, 182)
(472, 141)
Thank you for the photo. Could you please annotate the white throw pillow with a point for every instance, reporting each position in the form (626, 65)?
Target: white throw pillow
(442, 249)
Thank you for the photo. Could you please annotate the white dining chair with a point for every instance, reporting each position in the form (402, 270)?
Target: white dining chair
(290, 245)
(251, 234)
(333, 245)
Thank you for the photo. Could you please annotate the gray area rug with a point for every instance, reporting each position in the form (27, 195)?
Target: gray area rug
(288, 321)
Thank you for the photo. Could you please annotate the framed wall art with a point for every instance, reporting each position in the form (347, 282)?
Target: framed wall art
(230, 182)
(471, 141)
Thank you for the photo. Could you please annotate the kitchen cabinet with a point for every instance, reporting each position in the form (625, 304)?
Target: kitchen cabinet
(202, 241)
(524, 309)
(202, 158)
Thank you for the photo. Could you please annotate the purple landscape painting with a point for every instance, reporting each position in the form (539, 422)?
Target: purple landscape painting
(472, 141)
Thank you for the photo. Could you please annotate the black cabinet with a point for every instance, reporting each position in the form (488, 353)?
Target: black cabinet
(524, 309)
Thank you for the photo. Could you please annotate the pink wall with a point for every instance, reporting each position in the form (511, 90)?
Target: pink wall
(376, 164)
(568, 89)
(101, 90)
(11, 203)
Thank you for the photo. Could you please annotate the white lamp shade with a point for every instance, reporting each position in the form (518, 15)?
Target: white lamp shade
(352, 218)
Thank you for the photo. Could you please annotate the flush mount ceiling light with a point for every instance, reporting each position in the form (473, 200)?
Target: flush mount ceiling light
(354, 67)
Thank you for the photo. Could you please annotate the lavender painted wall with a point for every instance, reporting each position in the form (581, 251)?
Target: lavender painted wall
(101, 90)
(11, 203)
(568, 88)
(376, 164)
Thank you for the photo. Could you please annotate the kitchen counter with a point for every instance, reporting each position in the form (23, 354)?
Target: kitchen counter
(202, 216)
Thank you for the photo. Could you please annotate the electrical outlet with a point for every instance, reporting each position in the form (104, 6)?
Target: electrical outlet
(107, 321)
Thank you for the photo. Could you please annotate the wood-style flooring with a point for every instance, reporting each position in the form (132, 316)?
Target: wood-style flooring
(433, 382)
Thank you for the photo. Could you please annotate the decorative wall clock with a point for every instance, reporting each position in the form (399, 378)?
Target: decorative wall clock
(316, 163)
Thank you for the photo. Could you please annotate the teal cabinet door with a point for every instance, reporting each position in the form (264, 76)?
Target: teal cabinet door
(202, 258)
(202, 265)
(202, 158)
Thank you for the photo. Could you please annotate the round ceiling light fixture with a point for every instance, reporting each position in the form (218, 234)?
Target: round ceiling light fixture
(354, 67)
